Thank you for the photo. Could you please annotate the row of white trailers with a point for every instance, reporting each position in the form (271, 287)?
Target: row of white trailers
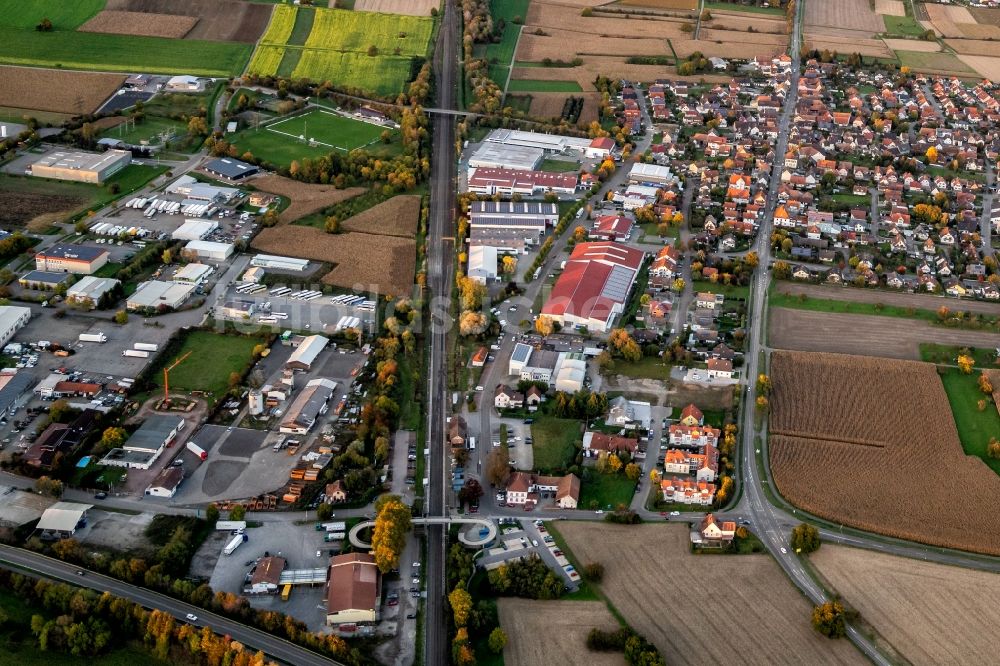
(154, 206)
(112, 229)
(301, 295)
(347, 322)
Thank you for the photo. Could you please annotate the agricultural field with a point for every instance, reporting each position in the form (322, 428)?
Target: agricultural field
(534, 85)
(512, 13)
(213, 358)
(53, 90)
(382, 75)
(305, 197)
(933, 63)
(956, 21)
(410, 7)
(930, 613)
(566, 626)
(382, 264)
(218, 20)
(852, 15)
(761, 611)
(874, 48)
(912, 45)
(685, 5)
(398, 216)
(843, 455)
(23, 199)
(903, 25)
(986, 66)
(898, 299)
(890, 7)
(138, 23)
(26, 14)
(974, 427)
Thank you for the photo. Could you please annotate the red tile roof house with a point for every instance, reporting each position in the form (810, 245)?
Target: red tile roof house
(612, 227)
(594, 287)
(712, 533)
(526, 488)
(687, 491)
(596, 442)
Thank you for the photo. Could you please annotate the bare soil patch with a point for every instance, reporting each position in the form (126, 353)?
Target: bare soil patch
(986, 66)
(890, 7)
(848, 14)
(564, 639)
(648, 568)
(306, 197)
(976, 47)
(931, 613)
(411, 7)
(977, 31)
(868, 335)
(949, 20)
(140, 23)
(220, 20)
(872, 443)
(23, 208)
(398, 216)
(56, 90)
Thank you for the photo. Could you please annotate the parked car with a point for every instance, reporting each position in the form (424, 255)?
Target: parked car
(191, 617)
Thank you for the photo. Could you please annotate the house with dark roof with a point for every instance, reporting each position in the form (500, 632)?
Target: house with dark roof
(230, 169)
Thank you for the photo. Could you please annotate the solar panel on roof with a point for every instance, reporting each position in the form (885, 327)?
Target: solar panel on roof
(618, 284)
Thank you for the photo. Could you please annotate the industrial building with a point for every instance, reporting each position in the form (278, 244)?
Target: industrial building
(20, 507)
(230, 169)
(89, 291)
(482, 263)
(549, 143)
(184, 83)
(305, 354)
(69, 258)
(13, 385)
(508, 182)
(80, 166)
(570, 372)
(207, 250)
(194, 229)
(62, 520)
(158, 295)
(12, 319)
(353, 590)
(198, 192)
(528, 363)
(276, 263)
(166, 482)
(515, 210)
(42, 280)
(651, 174)
(238, 309)
(594, 286)
(310, 403)
(147, 443)
(498, 156)
(192, 274)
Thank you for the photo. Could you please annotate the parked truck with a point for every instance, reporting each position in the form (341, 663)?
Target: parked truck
(231, 525)
(93, 337)
(146, 346)
(136, 353)
(197, 450)
(235, 543)
(334, 536)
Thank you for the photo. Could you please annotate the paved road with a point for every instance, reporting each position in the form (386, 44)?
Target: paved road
(273, 646)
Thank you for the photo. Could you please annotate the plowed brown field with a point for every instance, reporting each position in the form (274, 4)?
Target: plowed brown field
(976, 47)
(846, 14)
(648, 573)
(872, 443)
(140, 23)
(219, 20)
(55, 90)
(566, 625)
(930, 613)
(306, 198)
(398, 216)
(411, 7)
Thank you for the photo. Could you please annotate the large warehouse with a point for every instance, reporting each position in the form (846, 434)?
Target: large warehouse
(80, 166)
(12, 319)
(305, 354)
(499, 156)
(69, 258)
(207, 250)
(550, 143)
(194, 229)
(157, 295)
(311, 403)
(594, 287)
(230, 169)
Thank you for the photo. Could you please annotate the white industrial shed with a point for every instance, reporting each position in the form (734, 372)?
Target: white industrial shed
(194, 229)
(270, 261)
(307, 351)
(208, 250)
(62, 518)
(483, 263)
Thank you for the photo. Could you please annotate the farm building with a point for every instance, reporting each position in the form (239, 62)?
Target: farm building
(80, 166)
(594, 287)
(42, 280)
(90, 290)
(549, 143)
(192, 274)
(207, 250)
(147, 443)
(238, 309)
(189, 188)
(194, 229)
(62, 520)
(68, 258)
(498, 156)
(166, 482)
(483, 263)
(184, 84)
(12, 319)
(275, 263)
(157, 294)
(310, 403)
(508, 182)
(354, 589)
(305, 354)
(230, 169)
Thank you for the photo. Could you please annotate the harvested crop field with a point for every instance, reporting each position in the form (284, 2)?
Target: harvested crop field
(912, 45)
(568, 19)
(930, 613)
(55, 90)
(380, 264)
(866, 47)
(566, 625)
(729, 49)
(986, 66)
(868, 335)
(975, 47)
(410, 7)
(890, 7)
(306, 197)
(396, 217)
(985, 15)
(760, 609)
(846, 14)
(934, 63)
(218, 20)
(954, 21)
(839, 451)
(689, 5)
(24, 200)
(140, 23)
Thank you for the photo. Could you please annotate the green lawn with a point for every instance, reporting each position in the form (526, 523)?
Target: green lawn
(729, 291)
(733, 7)
(532, 85)
(605, 491)
(64, 14)
(648, 367)
(921, 61)
(281, 149)
(946, 355)
(121, 53)
(974, 427)
(778, 299)
(213, 357)
(554, 442)
(148, 130)
(906, 26)
(853, 199)
(503, 51)
(559, 166)
(342, 133)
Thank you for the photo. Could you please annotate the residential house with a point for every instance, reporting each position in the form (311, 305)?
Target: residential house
(595, 443)
(507, 398)
(687, 491)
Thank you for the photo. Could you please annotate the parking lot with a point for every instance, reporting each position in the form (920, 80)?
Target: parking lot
(317, 315)
(518, 434)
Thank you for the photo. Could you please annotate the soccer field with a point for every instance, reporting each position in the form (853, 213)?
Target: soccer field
(327, 128)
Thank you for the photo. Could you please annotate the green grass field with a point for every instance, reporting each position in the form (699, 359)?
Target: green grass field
(729, 291)
(325, 127)
(213, 357)
(922, 62)
(733, 7)
(648, 367)
(503, 51)
(121, 53)
(64, 14)
(902, 25)
(974, 427)
(559, 166)
(605, 491)
(777, 299)
(381, 75)
(532, 85)
(554, 442)
(947, 355)
(148, 130)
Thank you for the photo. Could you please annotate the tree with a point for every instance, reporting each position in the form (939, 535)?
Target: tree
(544, 325)
(498, 466)
(234, 379)
(633, 471)
(614, 463)
(167, 256)
(751, 259)
(392, 522)
(472, 323)
(993, 448)
(984, 384)
(113, 438)
(580, 234)
(593, 572)
(121, 317)
(931, 155)
(497, 640)
(805, 538)
(965, 363)
(829, 619)
(238, 512)
(48, 486)
(197, 126)
(461, 604)
(45, 25)
(212, 514)
(762, 405)
(324, 511)
(60, 411)
(471, 491)
(781, 269)
(332, 225)
(679, 285)
(509, 264)
(763, 384)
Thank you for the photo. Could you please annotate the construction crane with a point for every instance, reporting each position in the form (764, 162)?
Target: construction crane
(166, 378)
